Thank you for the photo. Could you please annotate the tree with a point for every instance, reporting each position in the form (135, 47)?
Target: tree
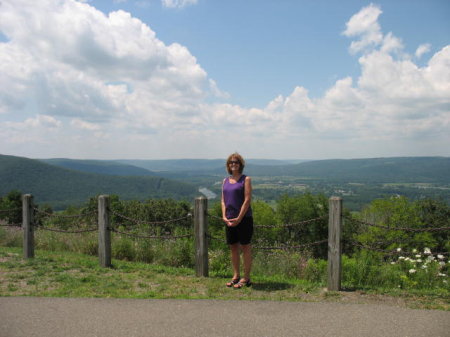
(294, 209)
(397, 213)
(11, 207)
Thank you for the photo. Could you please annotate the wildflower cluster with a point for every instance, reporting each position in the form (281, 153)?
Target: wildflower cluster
(423, 269)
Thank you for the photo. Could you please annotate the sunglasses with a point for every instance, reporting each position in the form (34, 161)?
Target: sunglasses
(233, 162)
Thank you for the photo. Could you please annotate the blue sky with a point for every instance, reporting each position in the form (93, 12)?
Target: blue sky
(256, 50)
(157, 79)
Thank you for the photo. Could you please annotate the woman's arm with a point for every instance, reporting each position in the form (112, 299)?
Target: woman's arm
(247, 199)
(223, 206)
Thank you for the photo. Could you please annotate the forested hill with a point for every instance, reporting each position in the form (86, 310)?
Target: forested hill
(110, 167)
(61, 187)
(374, 170)
(371, 170)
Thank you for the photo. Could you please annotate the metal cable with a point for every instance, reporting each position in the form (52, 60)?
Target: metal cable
(140, 222)
(164, 237)
(292, 247)
(406, 229)
(67, 231)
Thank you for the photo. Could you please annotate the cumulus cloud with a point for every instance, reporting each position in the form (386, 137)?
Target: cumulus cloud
(87, 84)
(70, 57)
(364, 24)
(423, 49)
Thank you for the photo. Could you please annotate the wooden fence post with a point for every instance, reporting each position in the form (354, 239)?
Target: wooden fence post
(201, 242)
(334, 244)
(104, 233)
(28, 226)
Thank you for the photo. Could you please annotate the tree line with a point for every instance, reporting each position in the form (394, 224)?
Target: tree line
(395, 213)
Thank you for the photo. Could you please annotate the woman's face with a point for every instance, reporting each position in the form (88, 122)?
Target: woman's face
(234, 165)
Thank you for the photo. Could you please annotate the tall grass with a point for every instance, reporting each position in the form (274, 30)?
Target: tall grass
(363, 270)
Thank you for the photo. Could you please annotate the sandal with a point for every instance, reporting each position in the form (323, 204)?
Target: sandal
(233, 282)
(242, 283)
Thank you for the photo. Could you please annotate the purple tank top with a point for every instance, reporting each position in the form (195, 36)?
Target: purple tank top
(234, 196)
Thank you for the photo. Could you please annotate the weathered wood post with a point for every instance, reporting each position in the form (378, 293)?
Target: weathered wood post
(104, 233)
(334, 244)
(28, 226)
(201, 242)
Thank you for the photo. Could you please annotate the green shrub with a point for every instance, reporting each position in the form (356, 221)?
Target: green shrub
(11, 237)
(145, 251)
(219, 262)
(289, 264)
(175, 253)
(123, 249)
(316, 271)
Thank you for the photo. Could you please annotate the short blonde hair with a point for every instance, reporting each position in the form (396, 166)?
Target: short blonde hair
(237, 157)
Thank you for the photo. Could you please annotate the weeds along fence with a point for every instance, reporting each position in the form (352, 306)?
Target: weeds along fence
(100, 221)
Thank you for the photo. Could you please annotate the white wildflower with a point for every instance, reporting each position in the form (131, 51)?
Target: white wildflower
(418, 255)
(430, 258)
(402, 258)
(440, 257)
(399, 249)
(392, 262)
(424, 266)
(442, 263)
(412, 271)
(441, 275)
(419, 260)
(427, 251)
(414, 250)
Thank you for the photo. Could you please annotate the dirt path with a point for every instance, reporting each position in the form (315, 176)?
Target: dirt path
(57, 317)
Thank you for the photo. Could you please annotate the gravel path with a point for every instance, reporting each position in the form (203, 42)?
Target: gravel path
(70, 317)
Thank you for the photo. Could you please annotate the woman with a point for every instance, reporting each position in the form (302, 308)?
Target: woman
(237, 215)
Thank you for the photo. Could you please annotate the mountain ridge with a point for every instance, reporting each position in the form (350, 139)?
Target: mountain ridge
(61, 187)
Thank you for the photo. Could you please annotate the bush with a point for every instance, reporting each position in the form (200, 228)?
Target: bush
(219, 262)
(283, 263)
(123, 249)
(177, 253)
(316, 271)
(11, 237)
(145, 251)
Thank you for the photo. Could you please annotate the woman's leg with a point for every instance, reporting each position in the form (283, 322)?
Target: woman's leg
(235, 259)
(247, 255)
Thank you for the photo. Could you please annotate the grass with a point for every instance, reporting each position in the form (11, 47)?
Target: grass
(66, 274)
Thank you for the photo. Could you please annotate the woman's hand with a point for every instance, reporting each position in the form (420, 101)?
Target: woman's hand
(233, 222)
(227, 222)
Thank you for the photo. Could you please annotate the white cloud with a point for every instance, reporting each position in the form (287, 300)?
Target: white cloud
(423, 49)
(178, 3)
(113, 89)
(365, 25)
(80, 124)
(216, 91)
(73, 76)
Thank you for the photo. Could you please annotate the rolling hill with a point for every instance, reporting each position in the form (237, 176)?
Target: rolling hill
(109, 167)
(199, 165)
(62, 182)
(61, 187)
(373, 170)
